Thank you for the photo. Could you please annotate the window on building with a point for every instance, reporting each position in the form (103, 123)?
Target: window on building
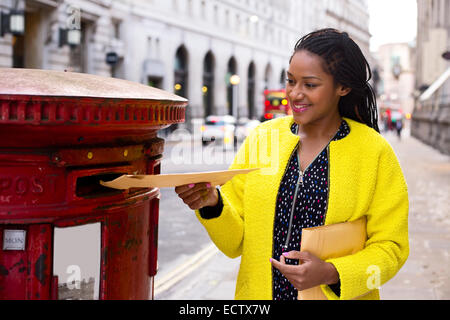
(203, 9)
(216, 14)
(237, 23)
(181, 72)
(157, 48)
(251, 90)
(18, 51)
(232, 69)
(27, 49)
(80, 55)
(267, 77)
(149, 47)
(282, 78)
(208, 84)
(189, 7)
(227, 18)
(116, 29)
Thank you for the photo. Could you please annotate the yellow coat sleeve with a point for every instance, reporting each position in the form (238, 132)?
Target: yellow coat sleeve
(227, 230)
(387, 247)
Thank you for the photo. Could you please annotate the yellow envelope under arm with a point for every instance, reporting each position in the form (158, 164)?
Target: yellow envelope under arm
(332, 241)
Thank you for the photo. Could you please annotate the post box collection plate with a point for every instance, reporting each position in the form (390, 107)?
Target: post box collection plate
(14, 239)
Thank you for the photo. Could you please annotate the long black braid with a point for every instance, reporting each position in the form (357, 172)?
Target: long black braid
(344, 60)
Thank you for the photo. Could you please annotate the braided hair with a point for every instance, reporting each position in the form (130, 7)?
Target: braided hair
(343, 59)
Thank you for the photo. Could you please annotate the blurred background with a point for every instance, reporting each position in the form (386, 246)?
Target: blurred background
(229, 58)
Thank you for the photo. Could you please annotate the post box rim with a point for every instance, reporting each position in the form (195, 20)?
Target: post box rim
(52, 83)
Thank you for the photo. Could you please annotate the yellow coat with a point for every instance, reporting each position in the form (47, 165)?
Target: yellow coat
(365, 179)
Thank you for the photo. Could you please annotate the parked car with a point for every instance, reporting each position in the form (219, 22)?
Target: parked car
(220, 129)
(245, 126)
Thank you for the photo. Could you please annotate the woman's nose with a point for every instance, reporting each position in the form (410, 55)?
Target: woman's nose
(296, 94)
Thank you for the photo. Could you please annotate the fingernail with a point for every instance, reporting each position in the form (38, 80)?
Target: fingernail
(285, 254)
(270, 259)
(191, 185)
(208, 185)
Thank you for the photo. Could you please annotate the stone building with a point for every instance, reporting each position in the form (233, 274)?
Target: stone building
(190, 47)
(431, 116)
(351, 16)
(397, 75)
(41, 47)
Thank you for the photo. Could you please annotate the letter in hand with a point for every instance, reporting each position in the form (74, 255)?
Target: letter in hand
(198, 195)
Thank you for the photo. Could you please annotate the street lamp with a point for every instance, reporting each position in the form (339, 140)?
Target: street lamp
(13, 22)
(177, 87)
(234, 81)
(254, 19)
(112, 58)
(72, 37)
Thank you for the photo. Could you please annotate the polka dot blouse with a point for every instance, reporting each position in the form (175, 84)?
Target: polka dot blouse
(309, 210)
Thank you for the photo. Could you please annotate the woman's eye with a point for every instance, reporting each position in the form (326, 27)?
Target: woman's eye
(310, 85)
(290, 81)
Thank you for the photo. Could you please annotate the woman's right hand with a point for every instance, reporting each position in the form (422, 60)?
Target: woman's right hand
(198, 195)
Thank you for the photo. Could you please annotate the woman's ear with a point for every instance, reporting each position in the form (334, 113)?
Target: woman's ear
(343, 91)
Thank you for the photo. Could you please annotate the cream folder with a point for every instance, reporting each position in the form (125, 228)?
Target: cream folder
(216, 178)
(332, 241)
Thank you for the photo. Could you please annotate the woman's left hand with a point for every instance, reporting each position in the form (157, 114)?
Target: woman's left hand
(310, 272)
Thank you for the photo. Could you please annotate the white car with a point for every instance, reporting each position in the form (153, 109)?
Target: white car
(219, 128)
(244, 128)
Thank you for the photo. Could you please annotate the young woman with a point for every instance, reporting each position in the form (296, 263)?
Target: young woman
(328, 164)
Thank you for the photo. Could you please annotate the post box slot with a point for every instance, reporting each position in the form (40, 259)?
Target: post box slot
(90, 187)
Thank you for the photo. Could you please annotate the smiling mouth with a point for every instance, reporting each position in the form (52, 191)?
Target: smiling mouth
(300, 107)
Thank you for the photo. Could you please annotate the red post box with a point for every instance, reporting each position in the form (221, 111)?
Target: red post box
(60, 134)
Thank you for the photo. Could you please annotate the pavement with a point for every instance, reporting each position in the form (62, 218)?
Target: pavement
(210, 275)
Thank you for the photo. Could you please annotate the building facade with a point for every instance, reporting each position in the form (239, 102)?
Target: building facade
(431, 116)
(351, 16)
(40, 45)
(189, 47)
(396, 65)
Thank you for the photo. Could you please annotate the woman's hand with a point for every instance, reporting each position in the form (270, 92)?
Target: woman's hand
(199, 195)
(310, 272)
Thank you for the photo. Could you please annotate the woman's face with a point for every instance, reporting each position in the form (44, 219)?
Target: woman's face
(313, 95)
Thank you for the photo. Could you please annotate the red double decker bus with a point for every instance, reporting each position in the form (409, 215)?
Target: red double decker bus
(276, 104)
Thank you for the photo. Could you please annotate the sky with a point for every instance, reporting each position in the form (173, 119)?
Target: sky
(392, 21)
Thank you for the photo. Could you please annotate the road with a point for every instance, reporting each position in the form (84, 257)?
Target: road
(180, 233)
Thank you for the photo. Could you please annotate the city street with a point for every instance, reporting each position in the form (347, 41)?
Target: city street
(190, 267)
(184, 247)
(180, 233)
(86, 86)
